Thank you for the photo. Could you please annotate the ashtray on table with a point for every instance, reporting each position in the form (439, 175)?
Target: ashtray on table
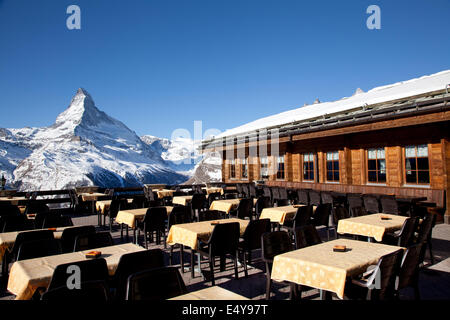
(339, 248)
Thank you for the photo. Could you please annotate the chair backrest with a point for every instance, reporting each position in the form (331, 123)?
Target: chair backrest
(314, 197)
(208, 215)
(409, 270)
(407, 232)
(339, 212)
(371, 204)
(90, 270)
(283, 193)
(306, 236)
(389, 205)
(90, 291)
(245, 190)
(198, 201)
(282, 202)
(384, 277)
(139, 202)
(322, 214)
(148, 193)
(116, 205)
(358, 211)
(303, 216)
(131, 263)
(267, 193)
(425, 228)
(275, 193)
(275, 243)
(28, 236)
(69, 235)
(354, 200)
(38, 248)
(212, 197)
(19, 222)
(302, 196)
(252, 190)
(90, 241)
(245, 208)
(224, 239)
(8, 210)
(155, 219)
(231, 195)
(179, 214)
(252, 235)
(155, 284)
(326, 197)
(40, 217)
(239, 188)
(36, 207)
(56, 220)
(261, 203)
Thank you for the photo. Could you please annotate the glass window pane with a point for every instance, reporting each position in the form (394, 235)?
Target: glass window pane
(311, 166)
(336, 155)
(422, 163)
(329, 165)
(422, 150)
(382, 165)
(382, 177)
(411, 176)
(336, 165)
(329, 156)
(372, 176)
(424, 177)
(330, 175)
(410, 152)
(371, 154)
(380, 153)
(410, 164)
(336, 175)
(372, 164)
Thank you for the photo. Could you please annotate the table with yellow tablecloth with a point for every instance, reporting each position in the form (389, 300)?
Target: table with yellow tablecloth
(213, 190)
(225, 205)
(130, 217)
(371, 225)
(182, 200)
(279, 214)
(211, 293)
(7, 239)
(28, 275)
(320, 267)
(103, 205)
(164, 193)
(187, 234)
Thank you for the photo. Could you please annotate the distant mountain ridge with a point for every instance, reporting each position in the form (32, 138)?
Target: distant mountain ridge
(84, 146)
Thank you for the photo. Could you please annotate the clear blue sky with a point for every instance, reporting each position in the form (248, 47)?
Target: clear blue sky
(158, 65)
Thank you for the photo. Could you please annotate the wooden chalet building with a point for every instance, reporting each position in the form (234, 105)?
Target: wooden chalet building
(393, 139)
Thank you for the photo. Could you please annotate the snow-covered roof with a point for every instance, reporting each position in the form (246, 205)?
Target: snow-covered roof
(399, 90)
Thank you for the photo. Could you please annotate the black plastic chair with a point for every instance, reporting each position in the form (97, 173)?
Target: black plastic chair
(321, 217)
(10, 223)
(90, 270)
(302, 217)
(34, 207)
(379, 282)
(155, 284)
(306, 236)
(209, 215)
(38, 248)
(403, 237)
(131, 263)
(268, 193)
(114, 208)
(389, 205)
(244, 209)
(314, 197)
(245, 191)
(283, 194)
(262, 203)
(339, 212)
(275, 194)
(56, 220)
(251, 240)
(252, 190)
(223, 241)
(90, 291)
(179, 214)
(371, 204)
(154, 221)
(354, 200)
(197, 204)
(90, 241)
(273, 244)
(326, 197)
(213, 197)
(239, 189)
(409, 271)
(424, 236)
(69, 235)
(9, 210)
(358, 211)
(302, 197)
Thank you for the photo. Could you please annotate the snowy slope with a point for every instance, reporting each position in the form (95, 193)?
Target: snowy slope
(83, 147)
(437, 81)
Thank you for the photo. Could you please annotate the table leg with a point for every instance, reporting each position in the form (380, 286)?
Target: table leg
(181, 258)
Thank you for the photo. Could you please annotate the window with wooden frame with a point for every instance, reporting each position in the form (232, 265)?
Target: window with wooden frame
(332, 166)
(308, 166)
(232, 168)
(376, 165)
(417, 169)
(264, 168)
(244, 168)
(280, 167)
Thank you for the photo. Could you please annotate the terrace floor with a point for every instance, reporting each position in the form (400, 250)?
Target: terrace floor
(434, 279)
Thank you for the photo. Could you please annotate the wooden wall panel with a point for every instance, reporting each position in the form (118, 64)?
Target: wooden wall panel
(394, 166)
(436, 159)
